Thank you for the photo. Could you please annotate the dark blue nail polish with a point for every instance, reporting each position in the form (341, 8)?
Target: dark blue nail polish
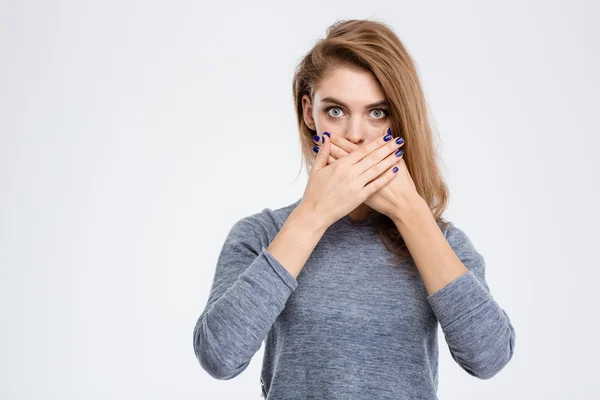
(316, 138)
(323, 139)
(389, 131)
(395, 169)
(399, 140)
(316, 149)
(399, 153)
(387, 138)
(327, 133)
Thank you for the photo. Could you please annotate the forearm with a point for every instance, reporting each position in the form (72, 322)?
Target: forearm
(297, 239)
(437, 263)
(479, 333)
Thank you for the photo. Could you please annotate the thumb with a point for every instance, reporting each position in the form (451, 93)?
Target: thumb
(323, 154)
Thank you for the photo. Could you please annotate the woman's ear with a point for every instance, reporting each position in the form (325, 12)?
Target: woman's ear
(307, 111)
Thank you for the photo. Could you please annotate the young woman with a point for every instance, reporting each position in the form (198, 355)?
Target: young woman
(346, 286)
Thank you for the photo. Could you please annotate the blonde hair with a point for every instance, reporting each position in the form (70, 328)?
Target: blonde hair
(372, 46)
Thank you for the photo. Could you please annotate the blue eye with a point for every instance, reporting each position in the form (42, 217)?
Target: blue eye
(382, 112)
(331, 108)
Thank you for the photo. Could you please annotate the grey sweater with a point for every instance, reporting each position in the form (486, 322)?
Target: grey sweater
(354, 325)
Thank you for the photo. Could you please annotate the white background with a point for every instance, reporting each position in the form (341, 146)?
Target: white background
(135, 133)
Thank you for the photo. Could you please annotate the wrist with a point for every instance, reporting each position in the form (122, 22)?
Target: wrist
(409, 208)
(309, 218)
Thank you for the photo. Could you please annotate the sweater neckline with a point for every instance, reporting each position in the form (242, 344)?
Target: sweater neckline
(369, 220)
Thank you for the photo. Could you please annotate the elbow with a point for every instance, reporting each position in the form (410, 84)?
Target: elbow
(489, 360)
(211, 356)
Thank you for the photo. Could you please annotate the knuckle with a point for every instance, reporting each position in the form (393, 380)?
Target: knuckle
(369, 148)
(383, 166)
(340, 162)
(376, 146)
(378, 169)
(342, 174)
(372, 157)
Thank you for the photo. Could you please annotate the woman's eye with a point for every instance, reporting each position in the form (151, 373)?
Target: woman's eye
(380, 113)
(334, 108)
(381, 110)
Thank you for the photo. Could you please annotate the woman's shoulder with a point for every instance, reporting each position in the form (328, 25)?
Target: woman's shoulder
(454, 235)
(461, 242)
(267, 222)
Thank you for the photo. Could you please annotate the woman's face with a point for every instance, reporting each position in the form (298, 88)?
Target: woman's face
(348, 103)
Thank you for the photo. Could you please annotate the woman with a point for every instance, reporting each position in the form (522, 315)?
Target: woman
(347, 284)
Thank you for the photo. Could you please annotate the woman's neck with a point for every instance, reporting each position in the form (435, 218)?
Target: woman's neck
(360, 212)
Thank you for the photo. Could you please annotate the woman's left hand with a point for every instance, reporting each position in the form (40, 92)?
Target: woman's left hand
(390, 199)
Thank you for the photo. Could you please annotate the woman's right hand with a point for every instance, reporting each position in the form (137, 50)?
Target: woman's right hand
(335, 190)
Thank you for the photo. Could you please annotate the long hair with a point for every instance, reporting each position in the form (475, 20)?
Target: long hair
(372, 46)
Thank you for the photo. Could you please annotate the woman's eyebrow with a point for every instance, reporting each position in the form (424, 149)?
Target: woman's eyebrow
(334, 100)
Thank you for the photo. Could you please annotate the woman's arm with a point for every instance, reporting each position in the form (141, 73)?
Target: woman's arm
(297, 239)
(250, 288)
(437, 263)
(479, 333)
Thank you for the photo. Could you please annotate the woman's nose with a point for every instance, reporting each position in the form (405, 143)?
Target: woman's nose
(355, 133)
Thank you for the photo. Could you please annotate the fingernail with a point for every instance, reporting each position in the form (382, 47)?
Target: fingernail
(316, 138)
(316, 149)
(387, 138)
(399, 153)
(399, 140)
(389, 131)
(395, 169)
(327, 133)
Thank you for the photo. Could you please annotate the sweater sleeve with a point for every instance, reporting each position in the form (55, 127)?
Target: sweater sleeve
(479, 333)
(249, 290)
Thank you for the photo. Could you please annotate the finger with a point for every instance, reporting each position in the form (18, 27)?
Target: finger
(378, 169)
(381, 181)
(322, 152)
(357, 155)
(377, 156)
(337, 152)
(316, 139)
(344, 144)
